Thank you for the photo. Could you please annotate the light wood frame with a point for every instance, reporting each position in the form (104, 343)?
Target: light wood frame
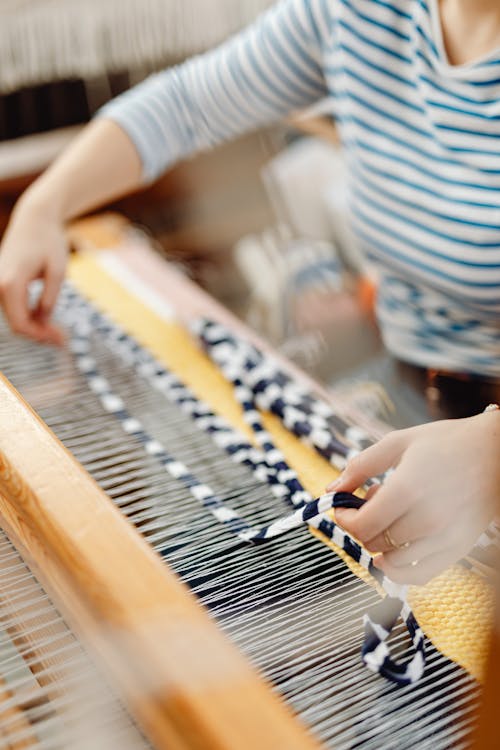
(187, 686)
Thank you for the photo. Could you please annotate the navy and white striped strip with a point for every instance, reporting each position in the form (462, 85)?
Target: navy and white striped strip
(114, 405)
(273, 389)
(82, 320)
(310, 419)
(267, 467)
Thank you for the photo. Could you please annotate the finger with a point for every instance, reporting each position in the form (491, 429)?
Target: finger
(52, 281)
(421, 549)
(424, 519)
(428, 557)
(371, 462)
(407, 529)
(381, 543)
(459, 536)
(387, 505)
(51, 333)
(345, 516)
(16, 306)
(372, 491)
(418, 572)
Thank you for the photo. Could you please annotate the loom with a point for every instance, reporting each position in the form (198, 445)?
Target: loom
(102, 643)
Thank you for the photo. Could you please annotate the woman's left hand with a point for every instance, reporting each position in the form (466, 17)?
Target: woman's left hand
(442, 492)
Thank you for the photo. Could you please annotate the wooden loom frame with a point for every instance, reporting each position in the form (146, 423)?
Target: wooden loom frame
(190, 708)
(188, 687)
(194, 704)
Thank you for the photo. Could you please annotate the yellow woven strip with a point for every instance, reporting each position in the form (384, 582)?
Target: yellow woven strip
(454, 610)
(172, 345)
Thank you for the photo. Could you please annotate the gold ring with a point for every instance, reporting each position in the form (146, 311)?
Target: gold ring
(392, 544)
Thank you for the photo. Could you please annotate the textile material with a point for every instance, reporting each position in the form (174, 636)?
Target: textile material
(90, 38)
(268, 464)
(443, 609)
(421, 141)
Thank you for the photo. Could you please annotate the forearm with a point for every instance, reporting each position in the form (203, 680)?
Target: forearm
(254, 79)
(100, 165)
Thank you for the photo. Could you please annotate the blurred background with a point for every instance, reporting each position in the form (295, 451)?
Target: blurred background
(261, 223)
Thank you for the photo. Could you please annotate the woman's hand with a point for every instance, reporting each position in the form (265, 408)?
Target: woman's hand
(101, 164)
(34, 247)
(442, 493)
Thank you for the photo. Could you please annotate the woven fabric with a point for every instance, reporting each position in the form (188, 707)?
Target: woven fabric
(268, 464)
(443, 608)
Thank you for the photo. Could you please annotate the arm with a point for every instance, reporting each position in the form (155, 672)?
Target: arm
(257, 77)
(100, 164)
(441, 495)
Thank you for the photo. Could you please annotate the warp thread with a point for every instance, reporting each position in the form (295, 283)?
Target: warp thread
(83, 320)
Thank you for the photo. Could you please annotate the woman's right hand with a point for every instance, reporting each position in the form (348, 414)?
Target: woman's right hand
(100, 165)
(34, 247)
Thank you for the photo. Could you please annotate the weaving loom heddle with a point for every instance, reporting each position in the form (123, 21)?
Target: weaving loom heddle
(294, 609)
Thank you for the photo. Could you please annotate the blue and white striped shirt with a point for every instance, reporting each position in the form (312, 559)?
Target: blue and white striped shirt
(422, 139)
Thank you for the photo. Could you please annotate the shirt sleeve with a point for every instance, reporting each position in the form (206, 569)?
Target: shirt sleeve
(253, 79)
